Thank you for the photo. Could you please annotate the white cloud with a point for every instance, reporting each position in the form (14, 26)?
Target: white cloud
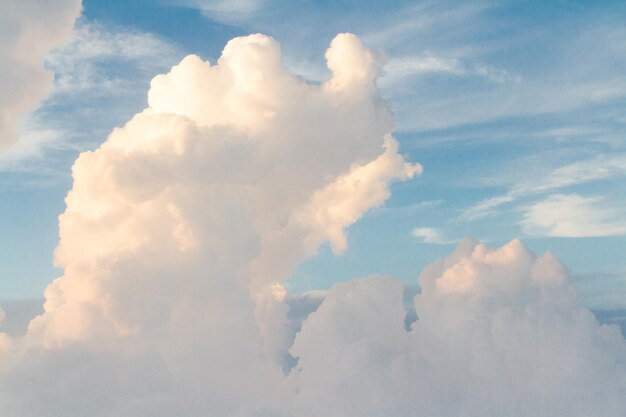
(408, 209)
(84, 85)
(498, 333)
(344, 201)
(228, 11)
(201, 205)
(571, 215)
(496, 75)
(182, 226)
(399, 69)
(28, 30)
(409, 26)
(601, 167)
(430, 235)
(32, 140)
(566, 85)
(598, 168)
(229, 6)
(81, 64)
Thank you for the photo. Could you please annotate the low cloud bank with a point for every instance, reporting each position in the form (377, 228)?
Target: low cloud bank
(180, 229)
(498, 332)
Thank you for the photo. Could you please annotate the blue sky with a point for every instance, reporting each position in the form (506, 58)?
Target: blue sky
(238, 233)
(516, 110)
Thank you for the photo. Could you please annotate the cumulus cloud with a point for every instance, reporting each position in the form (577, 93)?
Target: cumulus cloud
(182, 226)
(498, 333)
(28, 30)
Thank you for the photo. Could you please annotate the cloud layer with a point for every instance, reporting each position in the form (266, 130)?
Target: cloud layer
(180, 229)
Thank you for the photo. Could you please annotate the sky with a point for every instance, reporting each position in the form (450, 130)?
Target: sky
(514, 112)
(296, 166)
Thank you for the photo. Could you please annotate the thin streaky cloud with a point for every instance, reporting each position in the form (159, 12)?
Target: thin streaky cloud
(28, 30)
(410, 208)
(83, 83)
(226, 11)
(431, 235)
(80, 64)
(572, 215)
(601, 167)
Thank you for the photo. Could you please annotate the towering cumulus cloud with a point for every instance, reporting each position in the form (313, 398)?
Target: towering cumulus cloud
(28, 30)
(180, 229)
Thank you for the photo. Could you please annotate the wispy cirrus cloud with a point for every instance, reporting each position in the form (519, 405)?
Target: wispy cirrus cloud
(431, 235)
(571, 215)
(28, 30)
(85, 63)
(566, 81)
(400, 69)
(98, 67)
(227, 11)
(601, 167)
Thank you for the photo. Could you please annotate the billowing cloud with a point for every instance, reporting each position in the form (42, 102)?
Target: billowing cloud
(28, 30)
(181, 228)
(498, 333)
